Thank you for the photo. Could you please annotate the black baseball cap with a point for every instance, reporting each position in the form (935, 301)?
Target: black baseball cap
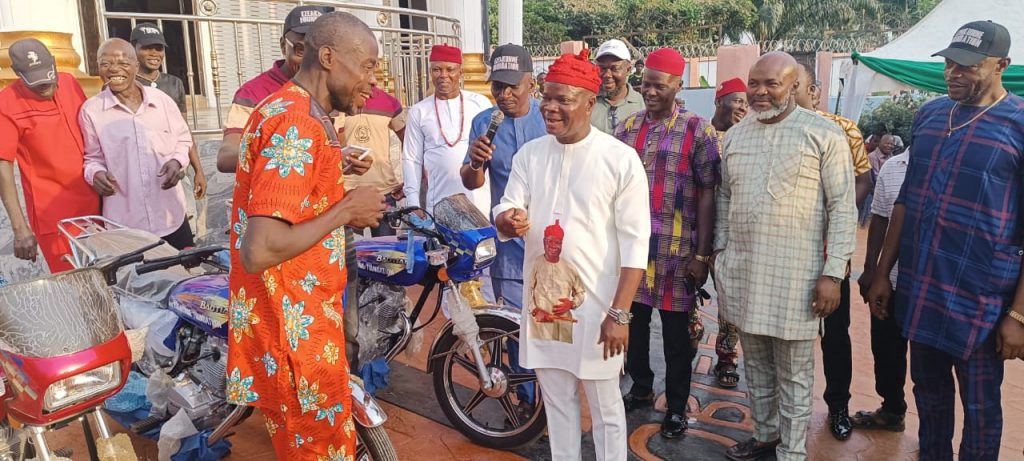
(300, 18)
(33, 63)
(146, 34)
(509, 63)
(977, 40)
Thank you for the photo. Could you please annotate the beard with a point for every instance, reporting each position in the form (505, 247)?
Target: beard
(778, 108)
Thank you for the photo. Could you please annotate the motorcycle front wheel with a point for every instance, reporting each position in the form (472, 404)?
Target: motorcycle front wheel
(511, 413)
(373, 444)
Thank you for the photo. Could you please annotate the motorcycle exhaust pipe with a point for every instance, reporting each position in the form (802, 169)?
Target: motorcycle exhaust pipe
(229, 422)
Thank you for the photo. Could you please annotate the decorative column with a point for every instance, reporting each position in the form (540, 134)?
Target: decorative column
(510, 26)
(53, 22)
(474, 70)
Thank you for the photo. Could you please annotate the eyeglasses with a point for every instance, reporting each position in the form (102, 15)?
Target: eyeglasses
(120, 64)
(296, 50)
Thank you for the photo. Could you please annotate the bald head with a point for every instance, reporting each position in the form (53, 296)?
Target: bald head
(805, 89)
(771, 85)
(117, 45)
(341, 31)
(118, 67)
(887, 144)
(339, 62)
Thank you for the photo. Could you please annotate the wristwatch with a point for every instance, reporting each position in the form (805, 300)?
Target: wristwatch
(620, 316)
(703, 259)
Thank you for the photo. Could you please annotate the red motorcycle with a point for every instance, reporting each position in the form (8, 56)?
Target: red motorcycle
(64, 352)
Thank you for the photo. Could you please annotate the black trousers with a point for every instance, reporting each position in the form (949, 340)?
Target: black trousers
(889, 348)
(679, 354)
(837, 354)
(181, 238)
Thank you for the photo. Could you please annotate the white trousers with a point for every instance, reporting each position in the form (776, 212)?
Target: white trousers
(560, 389)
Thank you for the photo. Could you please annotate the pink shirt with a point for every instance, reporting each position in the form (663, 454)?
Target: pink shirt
(133, 147)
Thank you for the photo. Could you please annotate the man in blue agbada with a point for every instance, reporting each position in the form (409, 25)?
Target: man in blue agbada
(512, 87)
(957, 233)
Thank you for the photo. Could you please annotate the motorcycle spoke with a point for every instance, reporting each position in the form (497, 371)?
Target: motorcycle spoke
(465, 362)
(474, 402)
(510, 409)
(496, 352)
(515, 379)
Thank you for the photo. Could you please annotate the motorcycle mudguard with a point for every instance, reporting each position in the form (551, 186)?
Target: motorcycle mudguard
(506, 312)
(365, 409)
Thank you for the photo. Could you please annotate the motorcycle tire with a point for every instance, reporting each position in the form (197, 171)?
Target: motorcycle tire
(482, 433)
(376, 443)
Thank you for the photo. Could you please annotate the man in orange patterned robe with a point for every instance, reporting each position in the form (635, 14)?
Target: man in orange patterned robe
(287, 352)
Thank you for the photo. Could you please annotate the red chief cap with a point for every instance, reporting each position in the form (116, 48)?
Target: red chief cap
(554, 230)
(731, 86)
(666, 60)
(445, 53)
(575, 70)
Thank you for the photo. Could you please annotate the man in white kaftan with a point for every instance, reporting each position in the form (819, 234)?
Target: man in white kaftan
(595, 188)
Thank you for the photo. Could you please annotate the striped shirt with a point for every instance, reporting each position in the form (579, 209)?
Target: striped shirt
(786, 187)
(887, 189)
(960, 246)
(680, 156)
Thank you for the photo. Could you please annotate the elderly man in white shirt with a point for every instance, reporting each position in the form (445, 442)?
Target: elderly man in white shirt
(437, 135)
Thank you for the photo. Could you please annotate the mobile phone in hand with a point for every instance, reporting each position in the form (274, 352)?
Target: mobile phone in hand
(360, 151)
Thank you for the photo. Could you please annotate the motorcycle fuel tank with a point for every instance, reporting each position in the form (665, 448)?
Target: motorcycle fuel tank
(203, 301)
(385, 259)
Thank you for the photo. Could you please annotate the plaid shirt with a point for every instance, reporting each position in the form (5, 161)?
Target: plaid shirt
(680, 155)
(960, 248)
(785, 188)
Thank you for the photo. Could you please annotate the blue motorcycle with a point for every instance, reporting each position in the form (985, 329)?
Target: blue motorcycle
(474, 358)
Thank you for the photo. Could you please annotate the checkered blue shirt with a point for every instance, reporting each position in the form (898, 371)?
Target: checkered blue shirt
(960, 248)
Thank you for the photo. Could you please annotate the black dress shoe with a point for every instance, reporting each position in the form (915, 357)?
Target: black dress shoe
(840, 425)
(673, 426)
(751, 450)
(633, 401)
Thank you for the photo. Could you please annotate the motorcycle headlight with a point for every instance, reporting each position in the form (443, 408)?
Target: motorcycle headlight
(486, 251)
(82, 386)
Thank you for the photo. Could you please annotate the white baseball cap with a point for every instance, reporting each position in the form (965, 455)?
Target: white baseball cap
(615, 48)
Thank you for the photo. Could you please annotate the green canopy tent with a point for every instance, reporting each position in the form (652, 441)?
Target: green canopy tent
(906, 62)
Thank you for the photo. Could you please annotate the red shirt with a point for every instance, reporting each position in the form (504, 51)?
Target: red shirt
(45, 139)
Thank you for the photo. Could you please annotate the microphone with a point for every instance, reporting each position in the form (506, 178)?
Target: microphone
(496, 118)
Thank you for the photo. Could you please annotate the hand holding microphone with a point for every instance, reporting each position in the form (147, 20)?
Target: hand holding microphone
(482, 149)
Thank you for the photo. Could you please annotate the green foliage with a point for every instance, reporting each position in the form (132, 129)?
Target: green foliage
(894, 116)
(552, 21)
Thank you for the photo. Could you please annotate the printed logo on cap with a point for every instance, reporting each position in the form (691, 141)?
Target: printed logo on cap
(506, 63)
(308, 16)
(969, 36)
(150, 30)
(33, 58)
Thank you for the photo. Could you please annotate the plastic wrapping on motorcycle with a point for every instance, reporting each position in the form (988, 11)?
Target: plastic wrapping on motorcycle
(376, 375)
(463, 227)
(379, 307)
(385, 259)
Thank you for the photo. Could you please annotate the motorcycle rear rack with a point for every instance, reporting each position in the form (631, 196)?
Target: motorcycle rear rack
(78, 231)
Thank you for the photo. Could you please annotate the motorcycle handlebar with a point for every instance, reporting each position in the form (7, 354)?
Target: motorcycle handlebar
(399, 213)
(109, 267)
(189, 258)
